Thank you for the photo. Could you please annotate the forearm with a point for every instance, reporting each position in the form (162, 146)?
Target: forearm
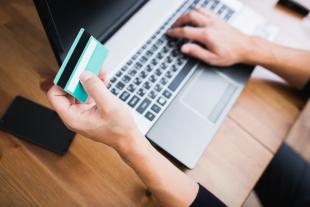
(170, 186)
(291, 64)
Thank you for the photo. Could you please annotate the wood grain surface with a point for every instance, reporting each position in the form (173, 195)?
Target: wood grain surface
(92, 174)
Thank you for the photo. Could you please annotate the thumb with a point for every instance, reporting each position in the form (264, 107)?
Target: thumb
(199, 52)
(96, 89)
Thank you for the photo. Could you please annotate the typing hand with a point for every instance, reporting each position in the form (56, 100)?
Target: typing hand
(104, 118)
(225, 44)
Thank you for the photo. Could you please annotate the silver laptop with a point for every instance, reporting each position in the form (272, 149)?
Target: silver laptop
(177, 102)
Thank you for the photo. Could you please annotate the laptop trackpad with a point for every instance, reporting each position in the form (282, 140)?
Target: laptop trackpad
(208, 94)
(189, 123)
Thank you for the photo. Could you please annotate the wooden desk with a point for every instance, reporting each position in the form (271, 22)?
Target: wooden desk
(92, 174)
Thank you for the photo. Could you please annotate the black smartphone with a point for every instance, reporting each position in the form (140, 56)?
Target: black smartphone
(37, 124)
(295, 7)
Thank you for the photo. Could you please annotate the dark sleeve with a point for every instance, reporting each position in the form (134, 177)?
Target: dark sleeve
(205, 198)
(306, 90)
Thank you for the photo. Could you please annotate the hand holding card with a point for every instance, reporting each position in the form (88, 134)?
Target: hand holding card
(86, 53)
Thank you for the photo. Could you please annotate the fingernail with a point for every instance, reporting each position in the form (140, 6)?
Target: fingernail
(169, 31)
(185, 49)
(85, 75)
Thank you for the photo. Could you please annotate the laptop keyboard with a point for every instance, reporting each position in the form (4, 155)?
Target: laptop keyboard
(153, 75)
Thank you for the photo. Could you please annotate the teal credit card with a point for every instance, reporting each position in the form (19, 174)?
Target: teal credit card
(86, 53)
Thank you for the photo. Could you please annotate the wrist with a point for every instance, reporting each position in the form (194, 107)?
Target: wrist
(132, 144)
(255, 51)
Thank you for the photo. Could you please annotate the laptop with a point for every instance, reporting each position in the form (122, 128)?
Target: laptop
(176, 101)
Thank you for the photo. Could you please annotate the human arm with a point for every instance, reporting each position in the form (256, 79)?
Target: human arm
(106, 120)
(227, 46)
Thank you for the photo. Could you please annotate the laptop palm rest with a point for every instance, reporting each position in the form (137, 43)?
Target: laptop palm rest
(189, 123)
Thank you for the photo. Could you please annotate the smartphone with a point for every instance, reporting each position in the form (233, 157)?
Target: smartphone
(37, 124)
(295, 7)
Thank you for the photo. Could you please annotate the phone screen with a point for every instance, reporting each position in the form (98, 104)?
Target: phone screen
(37, 124)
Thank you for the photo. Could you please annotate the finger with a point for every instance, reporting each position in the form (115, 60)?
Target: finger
(192, 17)
(103, 77)
(190, 33)
(59, 100)
(205, 12)
(198, 52)
(102, 74)
(96, 89)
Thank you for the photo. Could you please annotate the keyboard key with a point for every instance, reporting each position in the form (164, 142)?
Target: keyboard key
(149, 54)
(159, 42)
(165, 49)
(119, 74)
(138, 66)
(144, 46)
(158, 72)
(181, 42)
(120, 85)
(125, 95)
(124, 68)
(133, 72)
(215, 3)
(167, 94)
(113, 80)
(154, 62)
(153, 48)
(152, 94)
(109, 86)
(169, 59)
(115, 91)
(131, 88)
(143, 106)
(171, 42)
(159, 56)
(133, 101)
(164, 66)
(147, 85)
(182, 74)
(140, 52)
(228, 15)
(129, 63)
(158, 87)
(221, 10)
(174, 68)
(156, 108)
(150, 116)
(174, 53)
(168, 74)
(163, 81)
(149, 68)
(180, 61)
(161, 101)
(126, 79)
(134, 57)
(143, 74)
(137, 81)
(152, 78)
(141, 92)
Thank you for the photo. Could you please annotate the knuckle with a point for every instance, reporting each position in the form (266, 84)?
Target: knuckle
(186, 31)
(70, 127)
(212, 61)
(73, 123)
(191, 15)
(110, 111)
(205, 34)
(74, 126)
(183, 31)
(91, 81)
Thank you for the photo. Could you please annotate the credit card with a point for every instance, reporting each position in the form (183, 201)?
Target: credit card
(86, 53)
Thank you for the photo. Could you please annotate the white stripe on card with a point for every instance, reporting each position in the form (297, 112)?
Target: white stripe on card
(82, 65)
